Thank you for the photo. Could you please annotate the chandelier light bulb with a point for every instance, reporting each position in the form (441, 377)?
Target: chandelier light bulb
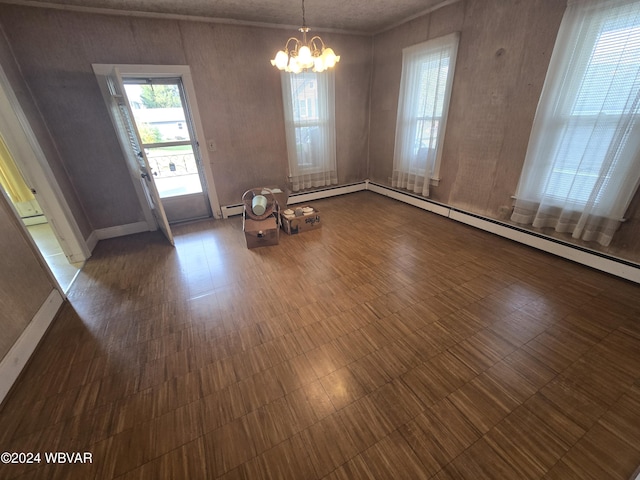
(330, 58)
(318, 64)
(294, 65)
(304, 57)
(281, 60)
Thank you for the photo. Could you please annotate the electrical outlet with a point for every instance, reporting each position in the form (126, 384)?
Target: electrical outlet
(211, 145)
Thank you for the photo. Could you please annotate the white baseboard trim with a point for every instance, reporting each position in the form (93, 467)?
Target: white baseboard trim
(16, 359)
(92, 241)
(600, 262)
(120, 230)
(605, 263)
(415, 201)
(303, 197)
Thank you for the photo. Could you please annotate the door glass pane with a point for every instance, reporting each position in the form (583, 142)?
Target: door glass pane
(160, 118)
(175, 170)
(158, 112)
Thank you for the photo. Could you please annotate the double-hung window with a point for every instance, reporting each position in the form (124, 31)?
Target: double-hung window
(309, 112)
(583, 161)
(425, 90)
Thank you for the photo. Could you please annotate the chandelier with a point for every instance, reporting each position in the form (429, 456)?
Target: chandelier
(303, 55)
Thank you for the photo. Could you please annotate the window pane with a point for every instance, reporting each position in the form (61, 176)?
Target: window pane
(304, 95)
(308, 145)
(433, 77)
(427, 139)
(580, 154)
(158, 113)
(433, 71)
(175, 170)
(611, 73)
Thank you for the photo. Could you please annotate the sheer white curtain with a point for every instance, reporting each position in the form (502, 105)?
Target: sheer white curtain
(582, 166)
(309, 114)
(425, 89)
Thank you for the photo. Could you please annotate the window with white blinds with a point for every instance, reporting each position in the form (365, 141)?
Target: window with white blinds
(582, 165)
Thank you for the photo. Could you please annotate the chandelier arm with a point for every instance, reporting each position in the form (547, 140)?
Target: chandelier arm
(315, 48)
(295, 49)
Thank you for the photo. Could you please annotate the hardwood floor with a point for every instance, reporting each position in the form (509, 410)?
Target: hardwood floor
(389, 344)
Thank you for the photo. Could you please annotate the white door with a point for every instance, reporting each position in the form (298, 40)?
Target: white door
(135, 154)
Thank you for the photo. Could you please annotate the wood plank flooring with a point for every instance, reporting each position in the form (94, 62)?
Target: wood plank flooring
(389, 344)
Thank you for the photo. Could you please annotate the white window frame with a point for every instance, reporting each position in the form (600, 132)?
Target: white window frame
(321, 114)
(410, 115)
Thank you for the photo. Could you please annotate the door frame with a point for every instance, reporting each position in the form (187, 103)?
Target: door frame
(170, 71)
(27, 154)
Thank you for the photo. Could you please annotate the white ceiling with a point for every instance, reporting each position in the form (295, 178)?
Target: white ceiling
(357, 16)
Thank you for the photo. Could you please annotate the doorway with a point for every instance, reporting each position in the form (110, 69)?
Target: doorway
(111, 80)
(22, 197)
(165, 128)
(59, 241)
